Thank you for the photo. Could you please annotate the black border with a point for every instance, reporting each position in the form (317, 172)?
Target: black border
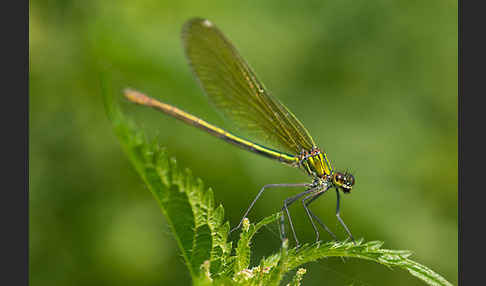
(14, 118)
(471, 78)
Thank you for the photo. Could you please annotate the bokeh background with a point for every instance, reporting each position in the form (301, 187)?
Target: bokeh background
(375, 82)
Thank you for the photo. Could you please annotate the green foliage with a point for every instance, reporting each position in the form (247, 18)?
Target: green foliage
(188, 206)
(375, 82)
(201, 233)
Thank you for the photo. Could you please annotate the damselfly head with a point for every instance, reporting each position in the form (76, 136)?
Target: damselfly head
(344, 181)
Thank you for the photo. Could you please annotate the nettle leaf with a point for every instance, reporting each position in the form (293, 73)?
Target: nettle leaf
(188, 206)
(369, 251)
(243, 250)
(202, 235)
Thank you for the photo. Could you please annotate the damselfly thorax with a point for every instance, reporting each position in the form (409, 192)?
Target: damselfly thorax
(316, 165)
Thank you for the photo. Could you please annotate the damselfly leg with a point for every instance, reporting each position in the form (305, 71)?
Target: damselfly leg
(310, 214)
(260, 193)
(287, 203)
(340, 219)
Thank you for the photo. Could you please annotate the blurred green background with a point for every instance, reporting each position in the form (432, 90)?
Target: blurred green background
(375, 82)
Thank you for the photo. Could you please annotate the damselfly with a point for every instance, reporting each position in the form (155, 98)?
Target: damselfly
(232, 86)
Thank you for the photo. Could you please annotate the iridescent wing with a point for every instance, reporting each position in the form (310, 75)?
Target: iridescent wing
(233, 88)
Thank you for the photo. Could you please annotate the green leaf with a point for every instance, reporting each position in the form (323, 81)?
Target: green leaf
(369, 251)
(201, 233)
(282, 265)
(243, 250)
(189, 208)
